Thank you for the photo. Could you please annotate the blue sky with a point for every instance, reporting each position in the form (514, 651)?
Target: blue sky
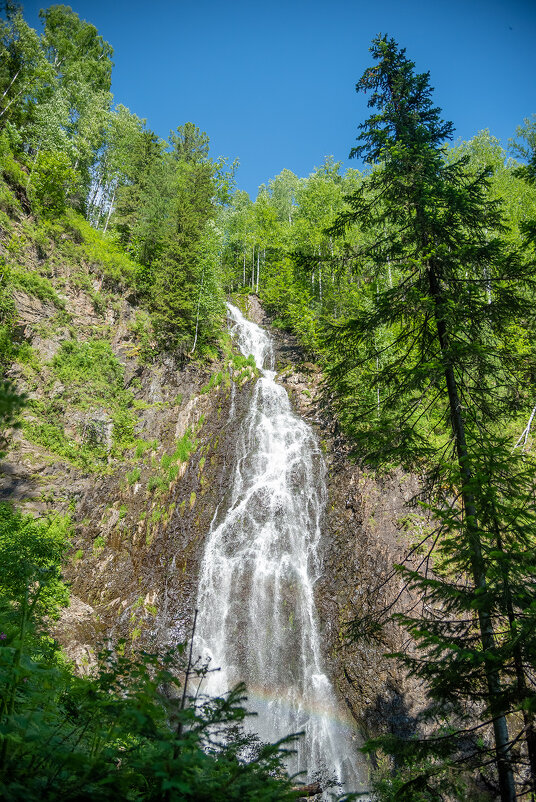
(273, 83)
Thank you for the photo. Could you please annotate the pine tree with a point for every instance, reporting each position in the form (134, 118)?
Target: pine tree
(438, 348)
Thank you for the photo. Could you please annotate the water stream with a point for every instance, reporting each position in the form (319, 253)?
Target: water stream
(257, 618)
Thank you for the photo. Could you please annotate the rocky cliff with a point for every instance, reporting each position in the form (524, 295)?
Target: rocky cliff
(141, 478)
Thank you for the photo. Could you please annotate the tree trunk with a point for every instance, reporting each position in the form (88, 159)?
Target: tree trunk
(521, 680)
(487, 635)
(109, 212)
(197, 314)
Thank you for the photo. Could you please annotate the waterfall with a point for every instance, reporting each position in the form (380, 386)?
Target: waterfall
(257, 618)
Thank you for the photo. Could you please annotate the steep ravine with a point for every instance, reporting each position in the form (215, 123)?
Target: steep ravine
(135, 557)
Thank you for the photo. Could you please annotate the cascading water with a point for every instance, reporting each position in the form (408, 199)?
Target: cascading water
(257, 619)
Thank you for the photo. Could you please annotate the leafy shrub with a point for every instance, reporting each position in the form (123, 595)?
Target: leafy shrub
(34, 284)
(89, 457)
(101, 251)
(31, 550)
(90, 371)
(52, 181)
(124, 424)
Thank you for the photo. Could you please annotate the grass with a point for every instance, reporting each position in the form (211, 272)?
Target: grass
(142, 446)
(133, 476)
(215, 381)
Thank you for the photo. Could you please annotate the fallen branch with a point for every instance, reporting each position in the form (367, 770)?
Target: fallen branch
(526, 431)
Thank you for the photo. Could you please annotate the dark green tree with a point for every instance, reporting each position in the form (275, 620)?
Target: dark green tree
(437, 352)
(189, 144)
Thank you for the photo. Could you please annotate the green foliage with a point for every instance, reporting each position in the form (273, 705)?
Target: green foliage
(90, 371)
(424, 370)
(124, 424)
(142, 446)
(7, 316)
(88, 456)
(156, 482)
(154, 202)
(214, 381)
(98, 545)
(53, 182)
(239, 361)
(11, 402)
(31, 551)
(119, 732)
(34, 284)
(185, 446)
(133, 476)
(102, 252)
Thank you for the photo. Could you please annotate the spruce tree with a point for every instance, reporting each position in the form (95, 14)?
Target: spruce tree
(448, 370)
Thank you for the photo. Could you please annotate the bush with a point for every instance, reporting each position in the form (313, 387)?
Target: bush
(52, 181)
(31, 282)
(102, 251)
(89, 457)
(90, 371)
(31, 550)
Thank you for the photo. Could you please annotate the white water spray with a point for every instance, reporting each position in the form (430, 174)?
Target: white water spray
(257, 618)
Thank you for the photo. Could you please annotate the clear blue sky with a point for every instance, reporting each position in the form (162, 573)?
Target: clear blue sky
(273, 82)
